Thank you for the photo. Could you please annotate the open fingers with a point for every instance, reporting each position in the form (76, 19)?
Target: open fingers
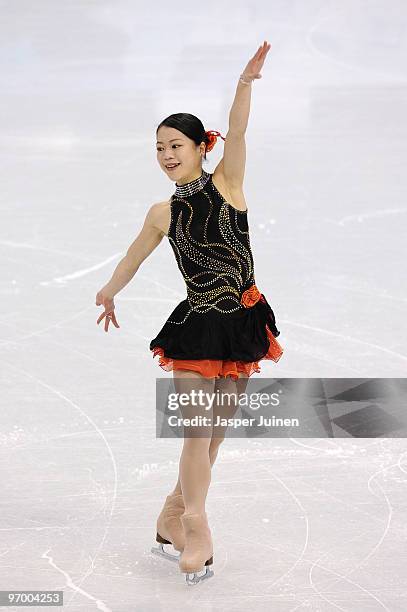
(101, 317)
(259, 50)
(110, 316)
(114, 320)
(262, 50)
(260, 60)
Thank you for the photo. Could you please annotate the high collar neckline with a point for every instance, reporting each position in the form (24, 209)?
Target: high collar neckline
(193, 186)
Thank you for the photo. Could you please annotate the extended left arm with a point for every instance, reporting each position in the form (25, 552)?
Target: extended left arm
(234, 156)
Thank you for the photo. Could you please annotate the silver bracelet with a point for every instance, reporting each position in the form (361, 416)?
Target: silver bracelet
(245, 82)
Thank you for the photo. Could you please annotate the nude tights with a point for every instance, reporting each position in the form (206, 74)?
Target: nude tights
(200, 451)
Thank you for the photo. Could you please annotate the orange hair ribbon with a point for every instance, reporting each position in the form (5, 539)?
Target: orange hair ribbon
(213, 137)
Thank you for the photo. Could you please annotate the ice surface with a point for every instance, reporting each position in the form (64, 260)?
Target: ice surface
(297, 524)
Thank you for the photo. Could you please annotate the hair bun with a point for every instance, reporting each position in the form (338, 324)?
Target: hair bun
(212, 136)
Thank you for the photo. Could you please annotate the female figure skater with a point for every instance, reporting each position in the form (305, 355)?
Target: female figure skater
(214, 339)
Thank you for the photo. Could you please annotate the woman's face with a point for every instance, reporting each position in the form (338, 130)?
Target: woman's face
(173, 147)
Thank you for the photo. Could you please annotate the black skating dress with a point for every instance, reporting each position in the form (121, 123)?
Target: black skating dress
(224, 325)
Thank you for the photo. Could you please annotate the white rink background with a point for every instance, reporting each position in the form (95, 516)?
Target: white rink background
(298, 524)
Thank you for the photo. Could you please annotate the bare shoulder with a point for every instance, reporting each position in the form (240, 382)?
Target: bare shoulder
(232, 194)
(159, 215)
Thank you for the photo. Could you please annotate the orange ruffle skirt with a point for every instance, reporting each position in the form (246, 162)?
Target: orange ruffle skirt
(216, 368)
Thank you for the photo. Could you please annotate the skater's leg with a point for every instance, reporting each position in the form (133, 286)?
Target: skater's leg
(194, 467)
(225, 385)
(213, 451)
(195, 476)
(225, 408)
(198, 550)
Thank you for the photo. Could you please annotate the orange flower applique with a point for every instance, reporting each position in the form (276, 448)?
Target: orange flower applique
(250, 297)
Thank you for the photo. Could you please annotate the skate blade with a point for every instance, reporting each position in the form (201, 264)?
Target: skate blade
(196, 577)
(159, 550)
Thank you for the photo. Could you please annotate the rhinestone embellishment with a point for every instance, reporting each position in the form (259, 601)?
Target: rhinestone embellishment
(210, 241)
(193, 186)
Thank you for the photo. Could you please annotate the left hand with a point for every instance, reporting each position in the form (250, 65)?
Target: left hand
(252, 70)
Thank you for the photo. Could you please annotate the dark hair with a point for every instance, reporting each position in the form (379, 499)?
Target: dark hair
(189, 125)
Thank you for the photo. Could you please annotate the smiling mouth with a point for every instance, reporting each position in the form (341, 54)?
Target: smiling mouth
(173, 168)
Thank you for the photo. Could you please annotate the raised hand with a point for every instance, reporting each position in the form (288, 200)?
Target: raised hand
(252, 70)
